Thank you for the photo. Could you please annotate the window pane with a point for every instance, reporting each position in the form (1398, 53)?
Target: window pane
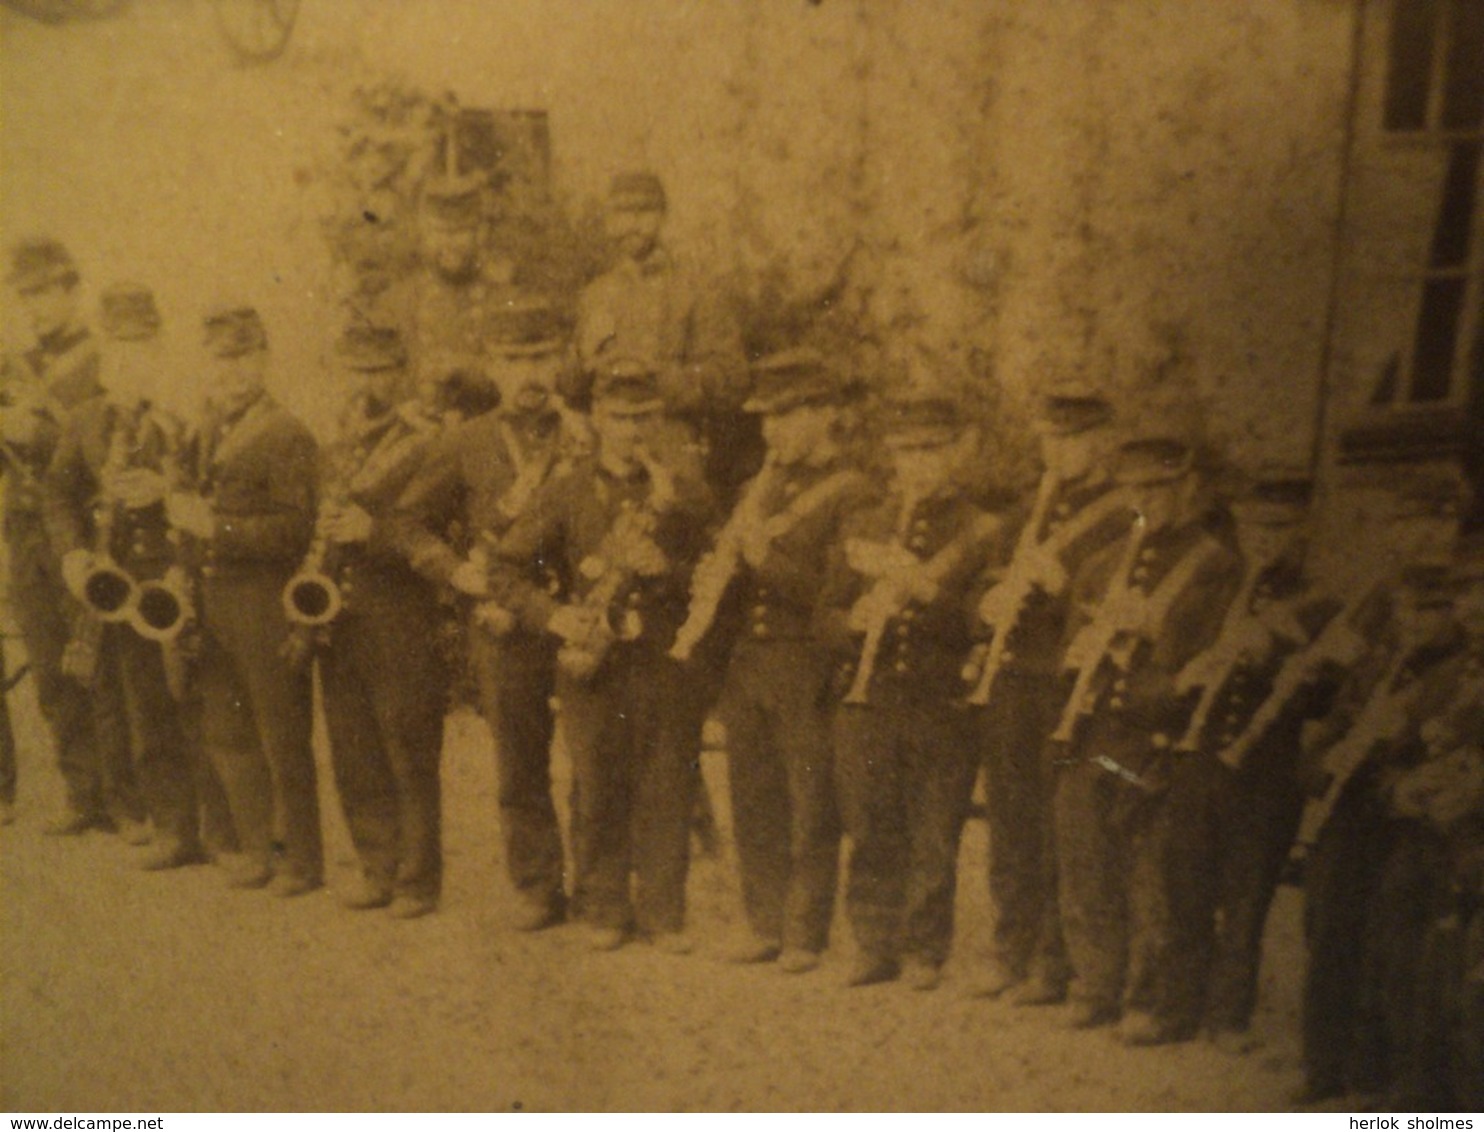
(1414, 26)
(1463, 88)
(1450, 239)
(1437, 339)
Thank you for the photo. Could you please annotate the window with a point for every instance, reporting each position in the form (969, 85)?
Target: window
(1435, 94)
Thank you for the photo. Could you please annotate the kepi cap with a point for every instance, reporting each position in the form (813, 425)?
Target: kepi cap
(628, 386)
(525, 327)
(127, 313)
(638, 191)
(39, 263)
(787, 379)
(234, 330)
(1152, 460)
(1072, 407)
(368, 348)
(921, 419)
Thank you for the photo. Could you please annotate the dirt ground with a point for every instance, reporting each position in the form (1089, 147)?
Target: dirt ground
(123, 990)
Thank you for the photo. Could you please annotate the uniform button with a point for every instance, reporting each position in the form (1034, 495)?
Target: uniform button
(208, 571)
(1147, 554)
(634, 600)
(1120, 685)
(900, 666)
(759, 610)
(1063, 509)
(903, 629)
(760, 630)
(917, 542)
(1139, 574)
(138, 546)
(1116, 702)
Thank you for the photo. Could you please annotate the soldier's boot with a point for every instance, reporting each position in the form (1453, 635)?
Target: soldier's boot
(992, 979)
(1039, 990)
(1090, 1013)
(921, 974)
(797, 961)
(73, 822)
(870, 969)
(1141, 1028)
(367, 893)
(754, 949)
(411, 906)
(171, 853)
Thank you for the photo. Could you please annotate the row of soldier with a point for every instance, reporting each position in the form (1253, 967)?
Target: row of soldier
(1134, 663)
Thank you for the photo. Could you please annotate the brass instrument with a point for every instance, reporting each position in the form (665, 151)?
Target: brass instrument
(165, 606)
(891, 592)
(714, 573)
(1125, 619)
(612, 568)
(1382, 720)
(1210, 670)
(1011, 593)
(1338, 643)
(108, 593)
(312, 598)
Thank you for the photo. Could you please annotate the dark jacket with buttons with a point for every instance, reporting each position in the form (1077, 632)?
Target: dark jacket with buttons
(371, 463)
(925, 645)
(778, 597)
(55, 378)
(565, 532)
(140, 541)
(1249, 683)
(1145, 693)
(260, 471)
(1083, 518)
(461, 492)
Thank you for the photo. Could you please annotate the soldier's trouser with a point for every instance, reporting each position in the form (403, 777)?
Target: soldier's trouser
(43, 612)
(516, 679)
(630, 735)
(1110, 871)
(131, 695)
(781, 776)
(1340, 877)
(1415, 967)
(255, 721)
(906, 774)
(1260, 817)
(385, 696)
(1021, 783)
(7, 740)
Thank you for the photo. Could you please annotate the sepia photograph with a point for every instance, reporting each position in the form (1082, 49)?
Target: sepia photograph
(742, 556)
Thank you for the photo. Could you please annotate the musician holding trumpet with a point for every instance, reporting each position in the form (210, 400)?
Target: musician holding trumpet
(105, 508)
(770, 559)
(1144, 608)
(899, 602)
(1077, 510)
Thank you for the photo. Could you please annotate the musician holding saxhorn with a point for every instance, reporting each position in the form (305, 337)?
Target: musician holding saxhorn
(383, 678)
(105, 508)
(250, 507)
(1145, 606)
(1076, 511)
(770, 561)
(623, 531)
(899, 602)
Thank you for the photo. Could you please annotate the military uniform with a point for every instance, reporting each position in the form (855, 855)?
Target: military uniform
(774, 694)
(65, 365)
(652, 310)
(1122, 794)
(623, 546)
(904, 745)
(469, 479)
(1080, 517)
(1368, 880)
(258, 469)
(383, 678)
(131, 692)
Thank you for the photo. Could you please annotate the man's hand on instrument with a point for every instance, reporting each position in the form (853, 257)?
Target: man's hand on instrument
(75, 567)
(136, 488)
(1043, 568)
(572, 623)
(348, 524)
(878, 559)
(471, 579)
(191, 513)
(878, 604)
(645, 557)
